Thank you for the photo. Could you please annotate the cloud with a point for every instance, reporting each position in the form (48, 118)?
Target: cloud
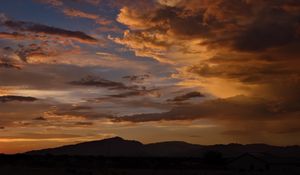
(58, 76)
(11, 98)
(100, 82)
(83, 123)
(9, 66)
(241, 112)
(72, 12)
(36, 136)
(3, 18)
(186, 96)
(74, 115)
(246, 73)
(112, 29)
(238, 26)
(24, 26)
(128, 94)
(92, 2)
(18, 56)
(272, 28)
(8, 58)
(61, 2)
(14, 35)
(219, 47)
(40, 119)
(78, 13)
(52, 2)
(144, 92)
(130, 90)
(43, 113)
(25, 52)
(81, 14)
(251, 45)
(33, 48)
(145, 44)
(136, 78)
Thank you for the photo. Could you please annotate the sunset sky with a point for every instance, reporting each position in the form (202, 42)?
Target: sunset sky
(200, 71)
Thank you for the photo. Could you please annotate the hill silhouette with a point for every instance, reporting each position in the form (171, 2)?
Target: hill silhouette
(119, 147)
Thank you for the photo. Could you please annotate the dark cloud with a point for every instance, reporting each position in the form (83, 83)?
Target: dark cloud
(136, 78)
(143, 92)
(75, 108)
(83, 123)
(87, 114)
(100, 82)
(273, 28)
(130, 90)
(11, 98)
(186, 96)
(24, 26)
(246, 73)
(40, 119)
(250, 25)
(128, 94)
(239, 106)
(92, 2)
(243, 113)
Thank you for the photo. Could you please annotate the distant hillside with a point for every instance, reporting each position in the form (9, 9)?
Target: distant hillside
(174, 149)
(118, 147)
(111, 147)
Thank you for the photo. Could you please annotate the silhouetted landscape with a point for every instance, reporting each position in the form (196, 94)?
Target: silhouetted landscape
(119, 156)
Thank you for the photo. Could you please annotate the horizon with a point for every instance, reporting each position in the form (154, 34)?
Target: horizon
(167, 141)
(198, 71)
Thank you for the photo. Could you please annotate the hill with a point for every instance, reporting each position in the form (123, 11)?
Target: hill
(119, 147)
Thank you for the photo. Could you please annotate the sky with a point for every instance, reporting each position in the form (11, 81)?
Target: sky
(200, 71)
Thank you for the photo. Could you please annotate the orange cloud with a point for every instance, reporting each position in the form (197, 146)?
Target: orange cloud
(78, 13)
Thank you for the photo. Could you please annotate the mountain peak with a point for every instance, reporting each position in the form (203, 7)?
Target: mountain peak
(115, 138)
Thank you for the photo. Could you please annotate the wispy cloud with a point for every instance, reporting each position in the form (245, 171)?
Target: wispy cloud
(24, 26)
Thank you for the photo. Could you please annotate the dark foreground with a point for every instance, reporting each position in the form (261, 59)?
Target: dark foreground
(97, 165)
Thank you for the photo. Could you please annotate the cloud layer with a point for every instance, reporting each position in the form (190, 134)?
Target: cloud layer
(150, 69)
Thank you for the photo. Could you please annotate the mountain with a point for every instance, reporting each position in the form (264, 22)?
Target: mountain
(174, 149)
(118, 147)
(112, 147)
(236, 149)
